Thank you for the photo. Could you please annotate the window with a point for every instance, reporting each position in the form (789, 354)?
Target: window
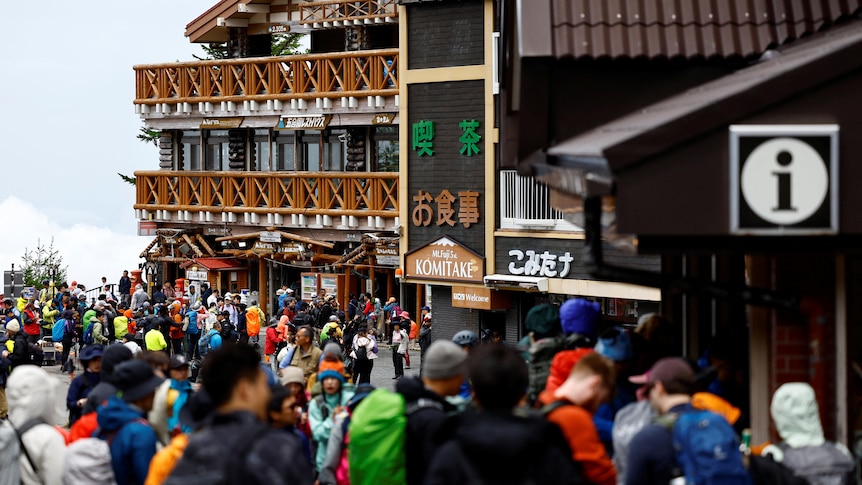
(188, 154)
(262, 159)
(284, 151)
(216, 150)
(333, 151)
(386, 149)
(309, 149)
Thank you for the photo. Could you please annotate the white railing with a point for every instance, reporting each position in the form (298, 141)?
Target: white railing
(525, 204)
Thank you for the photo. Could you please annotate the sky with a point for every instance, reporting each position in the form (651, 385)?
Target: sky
(68, 126)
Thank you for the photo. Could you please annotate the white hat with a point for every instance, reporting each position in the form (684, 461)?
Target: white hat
(279, 292)
(289, 291)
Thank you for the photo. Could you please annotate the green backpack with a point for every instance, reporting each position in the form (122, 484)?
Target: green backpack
(378, 433)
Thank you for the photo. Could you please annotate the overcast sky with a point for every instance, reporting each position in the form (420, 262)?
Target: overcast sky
(68, 125)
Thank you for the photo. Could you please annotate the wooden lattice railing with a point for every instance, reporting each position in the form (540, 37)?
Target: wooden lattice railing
(346, 10)
(311, 193)
(340, 74)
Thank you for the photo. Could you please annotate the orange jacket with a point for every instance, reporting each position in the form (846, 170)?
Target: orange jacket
(164, 462)
(587, 449)
(562, 366)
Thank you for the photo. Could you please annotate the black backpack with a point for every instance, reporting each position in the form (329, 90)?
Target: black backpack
(227, 332)
(361, 352)
(35, 355)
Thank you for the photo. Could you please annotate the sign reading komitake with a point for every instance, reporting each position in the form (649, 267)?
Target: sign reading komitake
(445, 259)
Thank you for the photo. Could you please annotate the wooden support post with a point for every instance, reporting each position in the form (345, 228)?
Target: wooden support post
(262, 286)
(371, 280)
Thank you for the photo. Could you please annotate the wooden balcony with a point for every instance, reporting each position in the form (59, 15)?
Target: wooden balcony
(358, 194)
(334, 75)
(347, 12)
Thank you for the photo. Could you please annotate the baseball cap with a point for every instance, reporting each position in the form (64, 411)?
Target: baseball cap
(178, 361)
(671, 372)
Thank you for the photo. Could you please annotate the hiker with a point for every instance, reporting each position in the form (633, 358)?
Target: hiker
(237, 446)
(336, 469)
(364, 352)
(293, 380)
(682, 438)
(399, 340)
(305, 355)
(443, 371)
(85, 382)
(492, 444)
(122, 422)
(336, 393)
(572, 407)
(803, 447)
(615, 344)
(30, 447)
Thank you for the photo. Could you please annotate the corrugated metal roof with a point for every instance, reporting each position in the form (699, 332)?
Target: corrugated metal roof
(686, 28)
(651, 130)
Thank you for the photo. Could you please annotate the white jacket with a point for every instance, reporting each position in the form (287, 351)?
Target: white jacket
(32, 393)
(363, 342)
(405, 340)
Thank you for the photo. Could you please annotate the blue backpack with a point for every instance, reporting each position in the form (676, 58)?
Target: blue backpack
(88, 335)
(58, 331)
(707, 449)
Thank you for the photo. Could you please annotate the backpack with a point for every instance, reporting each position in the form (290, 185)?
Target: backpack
(825, 464)
(707, 449)
(766, 471)
(414, 330)
(35, 354)
(10, 470)
(252, 323)
(378, 435)
(361, 352)
(88, 460)
(88, 335)
(59, 330)
(204, 344)
(227, 332)
(542, 355)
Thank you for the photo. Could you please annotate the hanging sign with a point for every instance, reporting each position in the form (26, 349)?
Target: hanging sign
(445, 260)
(270, 236)
(783, 179)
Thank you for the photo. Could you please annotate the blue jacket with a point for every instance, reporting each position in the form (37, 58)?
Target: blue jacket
(80, 389)
(132, 440)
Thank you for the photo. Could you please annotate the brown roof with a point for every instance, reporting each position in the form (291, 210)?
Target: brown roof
(661, 126)
(679, 28)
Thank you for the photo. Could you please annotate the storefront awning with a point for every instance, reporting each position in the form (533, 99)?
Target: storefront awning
(516, 282)
(215, 264)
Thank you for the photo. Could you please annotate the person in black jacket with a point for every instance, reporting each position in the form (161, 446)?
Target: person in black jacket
(19, 355)
(427, 408)
(493, 444)
(237, 446)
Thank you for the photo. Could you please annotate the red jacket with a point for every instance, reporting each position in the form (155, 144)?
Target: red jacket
(33, 327)
(272, 338)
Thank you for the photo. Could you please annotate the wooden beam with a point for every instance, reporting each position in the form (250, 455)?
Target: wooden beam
(307, 240)
(204, 244)
(195, 248)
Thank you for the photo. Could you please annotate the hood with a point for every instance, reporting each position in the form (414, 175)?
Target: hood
(413, 389)
(796, 415)
(32, 393)
(116, 413)
(501, 442)
(111, 357)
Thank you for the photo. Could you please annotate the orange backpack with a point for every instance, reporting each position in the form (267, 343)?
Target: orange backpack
(252, 322)
(414, 330)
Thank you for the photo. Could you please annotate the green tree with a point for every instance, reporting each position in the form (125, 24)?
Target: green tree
(43, 263)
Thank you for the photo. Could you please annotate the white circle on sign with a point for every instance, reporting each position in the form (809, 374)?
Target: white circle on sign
(784, 181)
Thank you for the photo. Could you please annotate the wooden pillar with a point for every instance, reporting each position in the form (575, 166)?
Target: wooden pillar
(420, 291)
(371, 280)
(262, 286)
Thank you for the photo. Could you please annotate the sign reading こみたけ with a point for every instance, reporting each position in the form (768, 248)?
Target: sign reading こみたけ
(444, 259)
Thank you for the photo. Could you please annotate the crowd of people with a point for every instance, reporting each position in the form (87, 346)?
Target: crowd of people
(174, 389)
